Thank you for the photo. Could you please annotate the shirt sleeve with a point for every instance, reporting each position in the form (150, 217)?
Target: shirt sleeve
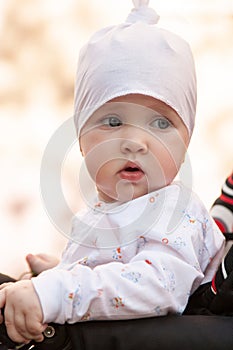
(148, 285)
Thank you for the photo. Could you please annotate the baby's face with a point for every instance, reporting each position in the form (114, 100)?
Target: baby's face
(133, 145)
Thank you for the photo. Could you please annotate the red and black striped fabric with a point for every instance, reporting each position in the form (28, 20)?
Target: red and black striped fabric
(222, 283)
(223, 273)
(216, 298)
(222, 209)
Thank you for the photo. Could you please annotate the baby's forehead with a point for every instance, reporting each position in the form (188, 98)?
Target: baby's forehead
(127, 109)
(134, 109)
(139, 103)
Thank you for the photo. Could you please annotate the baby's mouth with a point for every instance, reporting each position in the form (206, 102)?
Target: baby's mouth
(131, 172)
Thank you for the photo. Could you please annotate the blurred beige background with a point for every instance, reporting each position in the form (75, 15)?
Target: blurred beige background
(39, 45)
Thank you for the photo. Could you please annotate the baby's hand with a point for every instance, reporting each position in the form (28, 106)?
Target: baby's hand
(22, 311)
(41, 262)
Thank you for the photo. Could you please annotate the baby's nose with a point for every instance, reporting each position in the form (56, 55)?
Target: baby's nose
(133, 146)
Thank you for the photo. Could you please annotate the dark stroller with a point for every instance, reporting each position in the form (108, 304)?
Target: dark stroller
(163, 333)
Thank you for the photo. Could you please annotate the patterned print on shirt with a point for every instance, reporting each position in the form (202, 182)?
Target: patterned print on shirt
(132, 276)
(117, 302)
(141, 242)
(74, 297)
(179, 243)
(117, 254)
(169, 281)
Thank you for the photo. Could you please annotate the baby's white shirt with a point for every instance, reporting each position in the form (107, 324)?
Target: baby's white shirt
(139, 259)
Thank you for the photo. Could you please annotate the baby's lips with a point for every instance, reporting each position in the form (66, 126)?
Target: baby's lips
(132, 166)
(131, 172)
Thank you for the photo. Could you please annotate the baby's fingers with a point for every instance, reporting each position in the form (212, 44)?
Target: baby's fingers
(4, 285)
(13, 329)
(2, 304)
(23, 329)
(34, 329)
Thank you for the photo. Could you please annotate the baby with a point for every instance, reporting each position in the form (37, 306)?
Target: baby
(144, 243)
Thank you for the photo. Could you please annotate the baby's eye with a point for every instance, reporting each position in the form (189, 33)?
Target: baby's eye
(161, 123)
(111, 121)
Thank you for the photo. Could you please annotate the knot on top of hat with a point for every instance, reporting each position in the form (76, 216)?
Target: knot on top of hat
(141, 12)
(139, 3)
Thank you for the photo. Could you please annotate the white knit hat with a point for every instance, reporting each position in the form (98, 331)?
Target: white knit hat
(136, 57)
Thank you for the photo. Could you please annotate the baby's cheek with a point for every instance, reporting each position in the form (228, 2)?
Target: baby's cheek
(175, 147)
(165, 163)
